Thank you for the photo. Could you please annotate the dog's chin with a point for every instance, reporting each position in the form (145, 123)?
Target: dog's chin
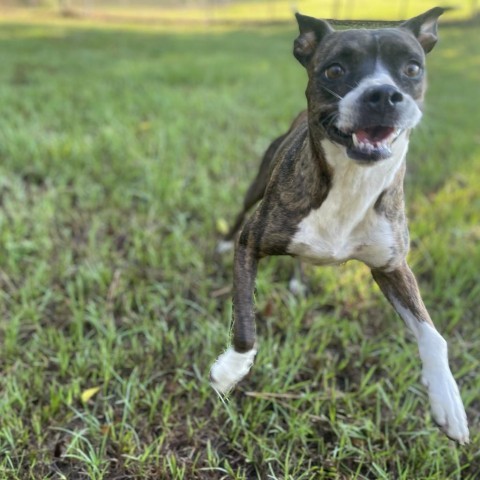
(369, 156)
(366, 145)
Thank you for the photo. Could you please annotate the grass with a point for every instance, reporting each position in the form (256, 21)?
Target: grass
(121, 151)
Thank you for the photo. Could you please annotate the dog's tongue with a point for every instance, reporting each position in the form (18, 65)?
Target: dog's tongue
(374, 135)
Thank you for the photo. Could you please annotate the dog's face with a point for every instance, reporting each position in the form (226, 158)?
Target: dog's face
(366, 87)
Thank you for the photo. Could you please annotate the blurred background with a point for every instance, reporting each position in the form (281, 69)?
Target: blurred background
(239, 10)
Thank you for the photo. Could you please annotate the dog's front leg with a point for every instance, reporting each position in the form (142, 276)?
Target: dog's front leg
(400, 288)
(236, 361)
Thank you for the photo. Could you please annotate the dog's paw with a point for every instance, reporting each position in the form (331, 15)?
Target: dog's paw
(447, 407)
(229, 368)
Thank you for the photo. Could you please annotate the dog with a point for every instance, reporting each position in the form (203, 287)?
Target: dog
(332, 189)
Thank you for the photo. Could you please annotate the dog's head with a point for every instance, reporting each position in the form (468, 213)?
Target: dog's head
(366, 87)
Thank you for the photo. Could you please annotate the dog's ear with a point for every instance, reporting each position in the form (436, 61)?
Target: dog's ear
(312, 30)
(424, 27)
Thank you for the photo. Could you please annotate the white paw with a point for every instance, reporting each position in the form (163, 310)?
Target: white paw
(224, 246)
(229, 368)
(447, 407)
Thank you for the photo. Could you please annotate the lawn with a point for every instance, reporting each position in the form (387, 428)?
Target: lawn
(123, 152)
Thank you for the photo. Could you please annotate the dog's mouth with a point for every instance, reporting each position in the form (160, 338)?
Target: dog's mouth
(366, 144)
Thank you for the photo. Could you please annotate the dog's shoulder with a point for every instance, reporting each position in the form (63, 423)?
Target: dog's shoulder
(297, 176)
(294, 186)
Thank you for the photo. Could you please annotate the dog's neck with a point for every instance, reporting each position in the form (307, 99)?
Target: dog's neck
(355, 180)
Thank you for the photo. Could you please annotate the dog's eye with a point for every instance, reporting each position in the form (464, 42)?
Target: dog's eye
(412, 70)
(334, 71)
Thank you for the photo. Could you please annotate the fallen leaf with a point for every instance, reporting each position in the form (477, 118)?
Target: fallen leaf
(89, 393)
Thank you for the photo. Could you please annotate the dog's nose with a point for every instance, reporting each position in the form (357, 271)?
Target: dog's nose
(382, 97)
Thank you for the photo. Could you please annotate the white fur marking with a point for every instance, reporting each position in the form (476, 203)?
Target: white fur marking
(346, 225)
(348, 106)
(445, 401)
(229, 368)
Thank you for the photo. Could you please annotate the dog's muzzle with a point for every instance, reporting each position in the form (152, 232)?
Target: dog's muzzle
(381, 113)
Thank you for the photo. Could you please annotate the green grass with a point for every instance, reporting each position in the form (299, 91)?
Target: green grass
(120, 152)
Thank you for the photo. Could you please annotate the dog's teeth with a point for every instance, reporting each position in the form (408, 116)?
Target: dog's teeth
(368, 146)
(355, 140)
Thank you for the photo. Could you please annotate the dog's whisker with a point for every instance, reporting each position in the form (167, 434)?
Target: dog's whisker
(332, 92)
(330, 119)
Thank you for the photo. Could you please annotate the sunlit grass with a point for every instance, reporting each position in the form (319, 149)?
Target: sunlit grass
(238, 11)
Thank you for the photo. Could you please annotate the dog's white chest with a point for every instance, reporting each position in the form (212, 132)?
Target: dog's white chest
(326, 237)
(346, 225)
